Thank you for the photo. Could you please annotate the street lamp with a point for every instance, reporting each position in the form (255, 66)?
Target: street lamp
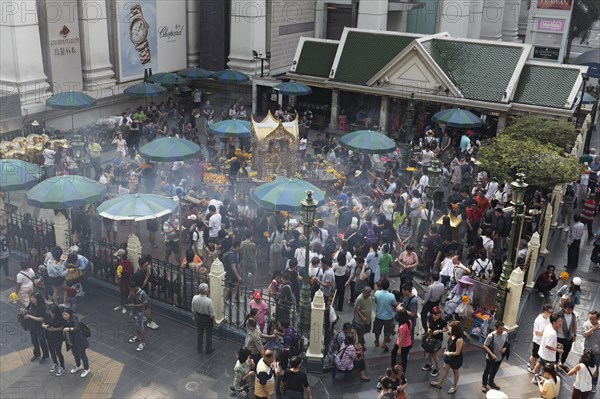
(309, 209)
(518, 193)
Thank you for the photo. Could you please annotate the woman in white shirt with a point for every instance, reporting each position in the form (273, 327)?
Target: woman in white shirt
(121, 146)
(25, 283)
(583, 380)
(341, 265)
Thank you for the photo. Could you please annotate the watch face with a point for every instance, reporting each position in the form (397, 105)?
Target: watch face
(138, 31)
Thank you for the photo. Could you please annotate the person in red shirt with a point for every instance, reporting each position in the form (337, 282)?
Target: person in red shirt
(473, 221)
(122, 278)
(482, 202)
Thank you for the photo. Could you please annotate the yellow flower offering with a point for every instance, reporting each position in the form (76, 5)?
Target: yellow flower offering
(119, 271)
(410, 169)
(564, 276)
(13, 297)
(465, 299)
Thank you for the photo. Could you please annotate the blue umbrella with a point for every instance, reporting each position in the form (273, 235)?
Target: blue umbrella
(293, 89)
(231, 128)
(457, 117)
(71, 100)
(145, 90)
(230, 76)
(588, 99)
(137, 207)
(18, 175)
(195, 73)
(167, 79)
(285, 194)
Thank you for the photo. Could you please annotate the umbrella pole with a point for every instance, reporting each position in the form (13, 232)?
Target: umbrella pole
(72, 124)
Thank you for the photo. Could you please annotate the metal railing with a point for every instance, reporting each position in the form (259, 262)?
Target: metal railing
(25, 233)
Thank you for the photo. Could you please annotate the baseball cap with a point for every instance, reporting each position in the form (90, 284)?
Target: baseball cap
(257, 295)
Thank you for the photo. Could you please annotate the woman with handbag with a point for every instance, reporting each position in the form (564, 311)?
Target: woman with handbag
(453, 358)
(34, 315)
(585, 369)
(25, 283)
(243, 373)
(436, 327)
(76, 342)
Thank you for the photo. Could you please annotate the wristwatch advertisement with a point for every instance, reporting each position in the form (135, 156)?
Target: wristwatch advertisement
(138, 33)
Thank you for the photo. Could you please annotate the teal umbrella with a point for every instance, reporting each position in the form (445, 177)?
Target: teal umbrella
(293, 89)
(457, 117)
(588, 99)
(169, 149)
(232, 128)
(368, 141)
(71, 100)
(285, 194)
(195, 73)
(137, 207)
(230, 76)
(145, 90)
(18, 175)
(167, 79)
(64, 192)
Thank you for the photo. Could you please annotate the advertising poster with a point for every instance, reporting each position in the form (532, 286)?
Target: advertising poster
(551, 25)
(554, 4)
(150, 34)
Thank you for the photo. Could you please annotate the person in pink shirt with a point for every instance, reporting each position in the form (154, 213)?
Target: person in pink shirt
(403, 342)
(262, 307)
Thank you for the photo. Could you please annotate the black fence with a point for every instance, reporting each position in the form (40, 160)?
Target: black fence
(25, 233)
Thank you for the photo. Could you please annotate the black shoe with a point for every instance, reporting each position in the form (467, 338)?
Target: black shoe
(209, 351)
(494, 386)
(34, 358)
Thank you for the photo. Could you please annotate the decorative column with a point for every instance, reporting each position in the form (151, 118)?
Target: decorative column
(557, 195)
(501, 123)
(217, 285)
(383, 114)
(513, 299)
(373, 14)
(510, 22)
(134, 250)
(315, 347)
(193, 45)
(547, 221)
(493, 17)
(579, 144)
(523, 18)
(335, 108)
(248, 33)
(454, 18)
(320, 19)
(95, 55)
(533, 251)
(61, 225)
(22, 66)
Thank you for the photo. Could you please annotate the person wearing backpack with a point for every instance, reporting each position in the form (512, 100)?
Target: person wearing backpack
(76, 341)
(483, 268)
(368, 231)
(494, 347)
(285, 299)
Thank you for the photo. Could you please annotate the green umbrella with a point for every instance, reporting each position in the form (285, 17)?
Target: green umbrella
(195, 73)
(167, 79)
(137, 207)
(293, 89)
(368, 141)
(230, 76)
(169, 149)
(71, 100)
(145, 90)
(64, 192)
(285, 194)
(18, 175)
(457, 117)
(588, 99)
(232, 128)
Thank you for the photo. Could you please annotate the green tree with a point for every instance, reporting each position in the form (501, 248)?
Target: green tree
(558, 133)
(543, 164)
(585, 14)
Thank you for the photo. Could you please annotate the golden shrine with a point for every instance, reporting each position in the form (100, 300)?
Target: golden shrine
(29, 148)
(274, 147)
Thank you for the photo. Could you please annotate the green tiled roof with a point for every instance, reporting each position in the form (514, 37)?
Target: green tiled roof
(316, 58)
(545, 86)
(480, 71)
(365, 53)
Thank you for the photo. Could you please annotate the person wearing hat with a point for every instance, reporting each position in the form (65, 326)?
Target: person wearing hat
(571, 292)
(495, 350)
(262, 307)
(122, 277)
(204, 316)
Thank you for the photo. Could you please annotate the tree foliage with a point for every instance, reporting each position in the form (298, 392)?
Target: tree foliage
(558, 133)
(585, 14)
(543, 164)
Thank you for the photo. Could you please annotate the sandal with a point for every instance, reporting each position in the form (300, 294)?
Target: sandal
(452, 390)
(435, 384)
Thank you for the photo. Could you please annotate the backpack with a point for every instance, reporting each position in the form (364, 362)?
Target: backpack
(297, 346)
(85, 330)
(370, 237)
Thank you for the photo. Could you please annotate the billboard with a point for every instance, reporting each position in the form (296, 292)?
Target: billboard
(554, 4)
(150, 34)
(551, 25)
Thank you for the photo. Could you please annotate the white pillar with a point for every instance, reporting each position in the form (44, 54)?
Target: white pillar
(335, 108)
(317, 318)
(97, 70)
(372, 14)
(523, 18)
(193, 18)
(254, 97)
(217, 281)
(513, 299)
(579, 143)
(320, 19)
(454, 18)
(533, 250)
(557, 195)
(21, 64)
(493, 16)
(501, 123)
(383, 113)
(544, 239)
(510, 21)
(248, 32)
(134, 250)
(61, 225)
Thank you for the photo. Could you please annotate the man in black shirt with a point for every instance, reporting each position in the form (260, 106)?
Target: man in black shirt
(142, 278)
(294, 381)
